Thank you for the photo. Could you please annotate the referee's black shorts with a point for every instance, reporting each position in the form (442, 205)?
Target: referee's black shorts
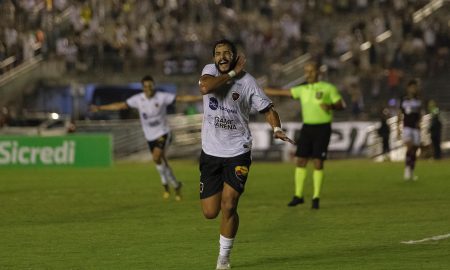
(215, 171)
(313, 141)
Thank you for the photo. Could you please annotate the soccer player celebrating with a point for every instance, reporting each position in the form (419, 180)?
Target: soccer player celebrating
(229, 93)
(318, 100)
(410, 115)
(152, 107)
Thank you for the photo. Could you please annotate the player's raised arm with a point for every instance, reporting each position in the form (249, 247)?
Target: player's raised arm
(273, 119)
(277, 92)
(116, 106)
(209, 83)
(188, 98)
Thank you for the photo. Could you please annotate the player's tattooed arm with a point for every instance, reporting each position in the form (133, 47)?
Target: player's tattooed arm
(209, 84)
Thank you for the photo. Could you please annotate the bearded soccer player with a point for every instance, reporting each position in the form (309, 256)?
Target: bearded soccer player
(318, 99)
(409, 116)
(152, 107)
(229, 93)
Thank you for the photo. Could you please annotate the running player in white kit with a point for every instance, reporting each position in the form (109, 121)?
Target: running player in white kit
(152, 107)
(229, 93)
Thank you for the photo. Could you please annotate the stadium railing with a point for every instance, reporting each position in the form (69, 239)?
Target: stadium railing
(13, 72)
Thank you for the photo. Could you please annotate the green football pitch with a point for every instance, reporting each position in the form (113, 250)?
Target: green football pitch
(115, 218)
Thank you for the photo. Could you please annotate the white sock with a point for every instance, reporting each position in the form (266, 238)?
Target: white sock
(170, 176)
(161, 170)
(408, 173)
(226, 244)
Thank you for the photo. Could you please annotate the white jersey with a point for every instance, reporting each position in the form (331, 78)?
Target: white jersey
(225, 130)
(152, 112)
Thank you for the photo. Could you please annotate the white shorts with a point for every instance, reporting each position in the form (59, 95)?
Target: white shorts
(411, 135)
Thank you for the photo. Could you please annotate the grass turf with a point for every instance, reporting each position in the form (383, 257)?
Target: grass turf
(116, 219)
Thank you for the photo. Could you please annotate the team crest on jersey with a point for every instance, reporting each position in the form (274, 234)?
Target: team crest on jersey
(213, 103)
(241, 172)
(319, 95)
(156, 105)
(235, 96)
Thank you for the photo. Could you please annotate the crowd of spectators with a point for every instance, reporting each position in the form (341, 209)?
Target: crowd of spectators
(366, 68)
(174, 37)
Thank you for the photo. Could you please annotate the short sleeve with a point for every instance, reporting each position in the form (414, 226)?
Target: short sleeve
(210, 69)
(334, 94)
(133, 101)
(169, 98)
(259, 100)
(295, 92)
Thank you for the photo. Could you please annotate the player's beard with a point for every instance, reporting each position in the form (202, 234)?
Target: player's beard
(223, 72)
(232, 64)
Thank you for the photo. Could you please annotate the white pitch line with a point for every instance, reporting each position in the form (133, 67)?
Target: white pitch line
(433, 238)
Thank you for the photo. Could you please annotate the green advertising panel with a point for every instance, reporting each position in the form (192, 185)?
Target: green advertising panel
(71, 150)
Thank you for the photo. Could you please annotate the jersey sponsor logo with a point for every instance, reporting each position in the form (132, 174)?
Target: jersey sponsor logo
(411, 106)
(153, 123)
(213, 103)
(241, 172)
(227, 110)
(319, 95)
(235, 96)
(222, 122)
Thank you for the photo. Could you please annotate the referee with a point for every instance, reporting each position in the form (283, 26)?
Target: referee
(318, 99)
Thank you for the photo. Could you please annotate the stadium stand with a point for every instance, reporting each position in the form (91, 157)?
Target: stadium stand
(368, 48)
